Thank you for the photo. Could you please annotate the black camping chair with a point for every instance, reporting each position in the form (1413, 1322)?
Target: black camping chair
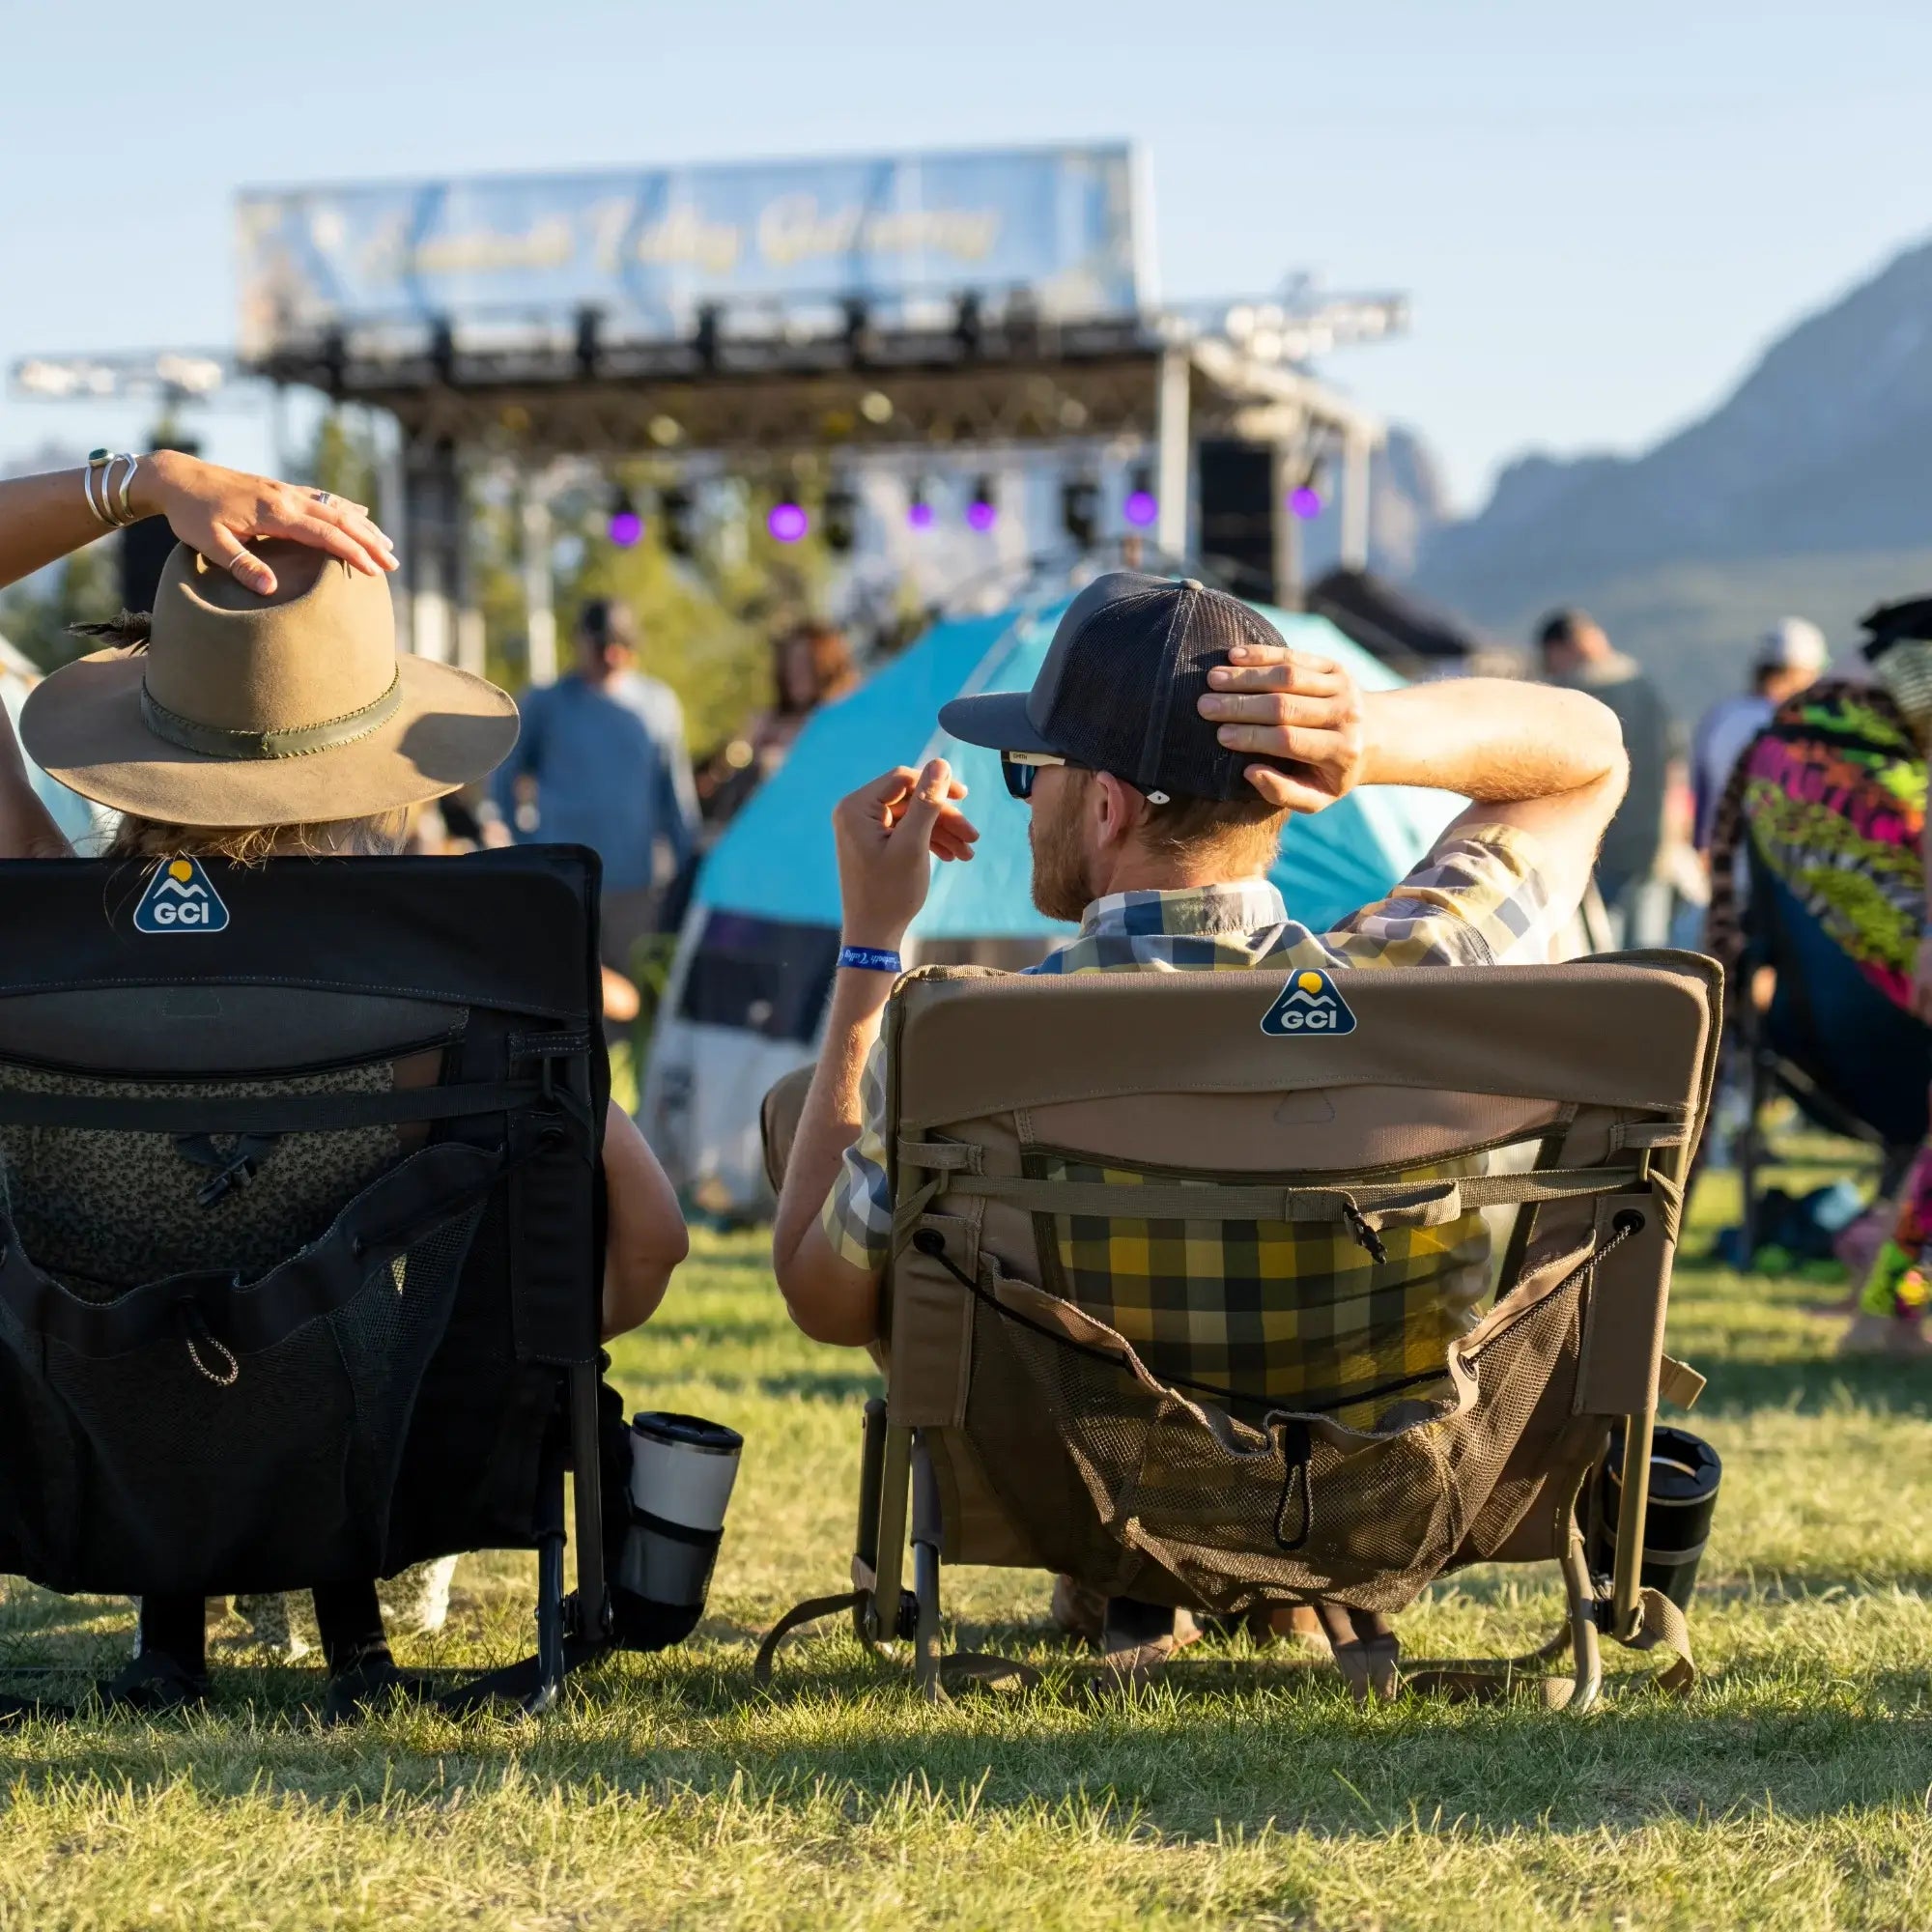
(418, 1378)
(1851, 1061)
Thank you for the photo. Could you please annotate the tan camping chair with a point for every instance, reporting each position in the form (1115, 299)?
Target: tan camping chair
(1193, 1296)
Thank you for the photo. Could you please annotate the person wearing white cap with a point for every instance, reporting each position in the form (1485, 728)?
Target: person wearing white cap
(1791, 655)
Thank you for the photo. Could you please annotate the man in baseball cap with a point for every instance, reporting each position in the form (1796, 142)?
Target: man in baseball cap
(1168, 737)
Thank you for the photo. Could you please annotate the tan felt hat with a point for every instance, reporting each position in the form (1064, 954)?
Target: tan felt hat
(290, 709)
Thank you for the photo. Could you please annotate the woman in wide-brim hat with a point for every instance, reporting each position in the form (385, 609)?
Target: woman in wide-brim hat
(262, 710)
(228, 709)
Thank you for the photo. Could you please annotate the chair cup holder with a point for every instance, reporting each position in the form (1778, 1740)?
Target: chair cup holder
(682, 1472)
(1685, 1477)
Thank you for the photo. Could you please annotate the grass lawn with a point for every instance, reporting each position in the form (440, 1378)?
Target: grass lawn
(1795, 1790)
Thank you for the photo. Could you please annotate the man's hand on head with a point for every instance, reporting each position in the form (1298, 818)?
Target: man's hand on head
(1272, 702)
(886, 832)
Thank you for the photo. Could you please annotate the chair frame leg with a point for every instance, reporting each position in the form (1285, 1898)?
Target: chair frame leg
(1584, 1644)
(867, 1625)
(1633, 1512)
(926, 1547)
(894, 1499)
(549, 1659)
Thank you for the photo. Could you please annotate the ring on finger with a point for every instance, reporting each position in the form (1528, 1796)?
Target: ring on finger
(322, 497)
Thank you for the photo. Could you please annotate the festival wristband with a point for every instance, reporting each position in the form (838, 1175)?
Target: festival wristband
(871, 959)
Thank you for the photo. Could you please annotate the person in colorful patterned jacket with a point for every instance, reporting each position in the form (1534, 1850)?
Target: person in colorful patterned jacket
(1168, 738)
(1830, 798)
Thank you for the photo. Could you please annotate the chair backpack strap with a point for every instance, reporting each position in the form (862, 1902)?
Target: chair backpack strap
(1663, 1626)
(1364, 1207)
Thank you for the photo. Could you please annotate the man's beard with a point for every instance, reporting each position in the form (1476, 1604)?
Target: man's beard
(1059, 867)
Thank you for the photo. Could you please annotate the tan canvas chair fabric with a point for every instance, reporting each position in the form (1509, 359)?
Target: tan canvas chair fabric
(1370, 1393)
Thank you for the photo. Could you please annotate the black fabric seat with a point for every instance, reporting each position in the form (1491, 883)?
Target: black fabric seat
(412, 1376)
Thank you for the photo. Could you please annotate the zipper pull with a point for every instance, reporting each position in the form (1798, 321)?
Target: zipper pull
(1365, 1236)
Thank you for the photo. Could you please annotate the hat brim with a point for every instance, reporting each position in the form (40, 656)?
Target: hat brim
(995, 719)
(83, 726)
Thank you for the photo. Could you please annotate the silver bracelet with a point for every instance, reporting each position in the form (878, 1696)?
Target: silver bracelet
(96, 459)
(124, 514)
(112, 510)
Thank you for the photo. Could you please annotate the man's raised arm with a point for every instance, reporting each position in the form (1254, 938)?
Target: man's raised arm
(887, 833)
(1550, 761)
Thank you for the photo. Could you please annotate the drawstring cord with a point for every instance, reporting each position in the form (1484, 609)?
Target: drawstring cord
(198, 1333)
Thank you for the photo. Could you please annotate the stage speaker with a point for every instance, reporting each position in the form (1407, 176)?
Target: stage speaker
(1238, 515)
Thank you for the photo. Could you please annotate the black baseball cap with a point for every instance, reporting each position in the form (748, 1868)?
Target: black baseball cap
(1121, 687)
(1890, 624)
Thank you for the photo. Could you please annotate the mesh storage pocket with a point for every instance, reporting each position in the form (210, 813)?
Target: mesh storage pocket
(184, 1466)
(1136, 1489)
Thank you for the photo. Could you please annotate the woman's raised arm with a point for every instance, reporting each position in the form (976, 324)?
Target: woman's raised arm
(214, 510)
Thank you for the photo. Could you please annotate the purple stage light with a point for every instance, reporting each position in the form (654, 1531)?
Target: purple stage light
(626, 528)
(919, 514)
(1141, 508)
(1305, 502)
(786, 521)
(982, 515)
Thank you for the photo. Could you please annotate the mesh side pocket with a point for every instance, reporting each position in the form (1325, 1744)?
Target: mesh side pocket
(1135, 1490)
(199, 1470)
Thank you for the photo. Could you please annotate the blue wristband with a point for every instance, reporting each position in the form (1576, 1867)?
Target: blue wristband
(871, 959)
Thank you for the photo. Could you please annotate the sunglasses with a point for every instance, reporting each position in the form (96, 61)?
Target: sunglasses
(1019, 769)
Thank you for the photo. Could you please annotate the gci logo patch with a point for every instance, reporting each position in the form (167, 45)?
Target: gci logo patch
(1309, 1004)
(180, 898)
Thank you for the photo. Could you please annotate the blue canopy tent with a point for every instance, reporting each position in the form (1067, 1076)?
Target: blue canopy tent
(757, 955)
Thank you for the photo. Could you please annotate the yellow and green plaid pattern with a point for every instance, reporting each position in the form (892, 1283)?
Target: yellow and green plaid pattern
(1478, 899)
(1295, 1314)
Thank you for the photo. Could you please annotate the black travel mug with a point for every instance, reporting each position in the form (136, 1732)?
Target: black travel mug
(1684, 1474)
(682, 1470)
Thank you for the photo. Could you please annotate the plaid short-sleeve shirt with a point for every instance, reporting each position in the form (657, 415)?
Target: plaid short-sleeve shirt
(1273, 1313)
(1479, 899)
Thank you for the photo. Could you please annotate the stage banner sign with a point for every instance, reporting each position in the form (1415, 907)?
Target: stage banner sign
(648, 248)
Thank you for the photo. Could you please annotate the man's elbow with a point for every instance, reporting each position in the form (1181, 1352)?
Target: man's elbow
(1595, 735)
(824, 1304)
(837, 1327)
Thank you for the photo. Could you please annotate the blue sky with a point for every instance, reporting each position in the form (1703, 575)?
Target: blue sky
(1602, 212)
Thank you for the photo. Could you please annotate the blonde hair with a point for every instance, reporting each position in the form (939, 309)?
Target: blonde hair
(137, 838)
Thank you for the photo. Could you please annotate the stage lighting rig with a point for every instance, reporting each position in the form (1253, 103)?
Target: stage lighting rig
(969, 326)
(589, 346)
(626, 525)
(862, 339)
(1080, 510)
(839, 513)
(1310, 496)
(677, 510)
(705, 339)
